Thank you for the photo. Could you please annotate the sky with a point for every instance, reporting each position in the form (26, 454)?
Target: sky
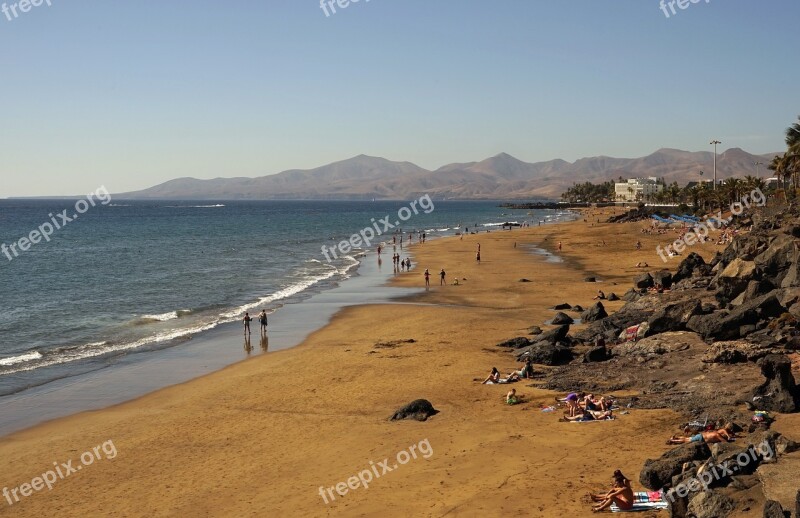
(129, 94)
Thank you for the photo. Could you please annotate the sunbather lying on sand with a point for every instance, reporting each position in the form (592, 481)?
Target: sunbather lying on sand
(709, 437)
(589, 415)
(494, 377)
(621, 494)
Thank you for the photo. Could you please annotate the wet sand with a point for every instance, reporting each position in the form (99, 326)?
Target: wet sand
(262, 436)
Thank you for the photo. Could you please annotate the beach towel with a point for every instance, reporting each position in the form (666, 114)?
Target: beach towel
(644, 501)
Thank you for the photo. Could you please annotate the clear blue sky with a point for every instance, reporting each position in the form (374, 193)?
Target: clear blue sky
(128, 94)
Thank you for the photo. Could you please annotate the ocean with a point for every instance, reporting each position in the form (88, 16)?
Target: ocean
(142, 276)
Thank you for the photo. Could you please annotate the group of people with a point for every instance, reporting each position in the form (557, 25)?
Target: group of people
(401, 265)
(262, 319)
(585, 407)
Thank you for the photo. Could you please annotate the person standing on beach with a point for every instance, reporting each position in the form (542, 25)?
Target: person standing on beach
(262, 318)
(427, 278)
(559, 246)
(478, 257)
(441, 277)
(246, 321)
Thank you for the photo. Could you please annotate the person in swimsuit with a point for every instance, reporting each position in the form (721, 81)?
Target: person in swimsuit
(441, 277)
(262, 318)
(709, 437)
(246, 321)
(427, 278)
(621, 494)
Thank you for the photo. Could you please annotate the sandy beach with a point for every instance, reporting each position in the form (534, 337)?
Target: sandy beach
(263, 436)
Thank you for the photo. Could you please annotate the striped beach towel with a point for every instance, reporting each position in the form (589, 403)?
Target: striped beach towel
(644, 501)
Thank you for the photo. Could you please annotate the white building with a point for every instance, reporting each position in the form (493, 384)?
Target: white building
(637, 189)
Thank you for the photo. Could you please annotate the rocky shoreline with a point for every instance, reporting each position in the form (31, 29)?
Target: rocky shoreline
(717, 346)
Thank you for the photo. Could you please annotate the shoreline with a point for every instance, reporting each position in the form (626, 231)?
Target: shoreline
(315, 414)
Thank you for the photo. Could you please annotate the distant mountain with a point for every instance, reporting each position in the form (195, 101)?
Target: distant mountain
(499, 177)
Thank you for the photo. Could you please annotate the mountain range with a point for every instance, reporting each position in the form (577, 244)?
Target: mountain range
(499, 177)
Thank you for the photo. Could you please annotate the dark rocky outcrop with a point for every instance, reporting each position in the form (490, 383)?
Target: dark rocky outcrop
(515, 343)
(643, 281)
(688, 266)
(596, 354)
(664, 278)
(773, 509)
(721, 326)
(419, 409)
(673, 317)
(778, 393)
(544, 353)
(564, 305)
(561, 319)
(612, 297)
(659, 472)
(594, 313)
(710, 504)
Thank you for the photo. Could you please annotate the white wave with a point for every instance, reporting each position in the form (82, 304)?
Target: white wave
(163, 317)
(33, 355)
(285, 292)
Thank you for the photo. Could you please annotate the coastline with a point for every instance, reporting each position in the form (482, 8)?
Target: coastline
(315, 414)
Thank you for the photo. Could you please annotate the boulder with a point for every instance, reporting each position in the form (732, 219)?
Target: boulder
(559, 334)
(612, 296)
(663, 277)
(720, 326)
(775, 261)
(754, 289)
(643, 281)
(590, 279)
(779, 392)
(659, 472)
(710, 504)
(561, 319)
(535, 330)
(737, 351)
(631, 295)
(733, 279)
(594, 313)
(673, 317)
(558, 307)
(419, 409)
(515, 343)
(545, 353)
(687, 267)
(577, 308)
(596, 354)
(773, 509)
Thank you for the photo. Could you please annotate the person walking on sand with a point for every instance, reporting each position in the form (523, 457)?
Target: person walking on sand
(559, 246)
(478, 257)
(246, 321)
(441, 277)
(427, 278)
(262, 318)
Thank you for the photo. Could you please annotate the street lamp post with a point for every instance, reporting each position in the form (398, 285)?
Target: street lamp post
(715, 142)
(758, 164)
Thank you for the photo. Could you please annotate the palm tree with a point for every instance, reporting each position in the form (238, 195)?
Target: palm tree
(793, 137)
